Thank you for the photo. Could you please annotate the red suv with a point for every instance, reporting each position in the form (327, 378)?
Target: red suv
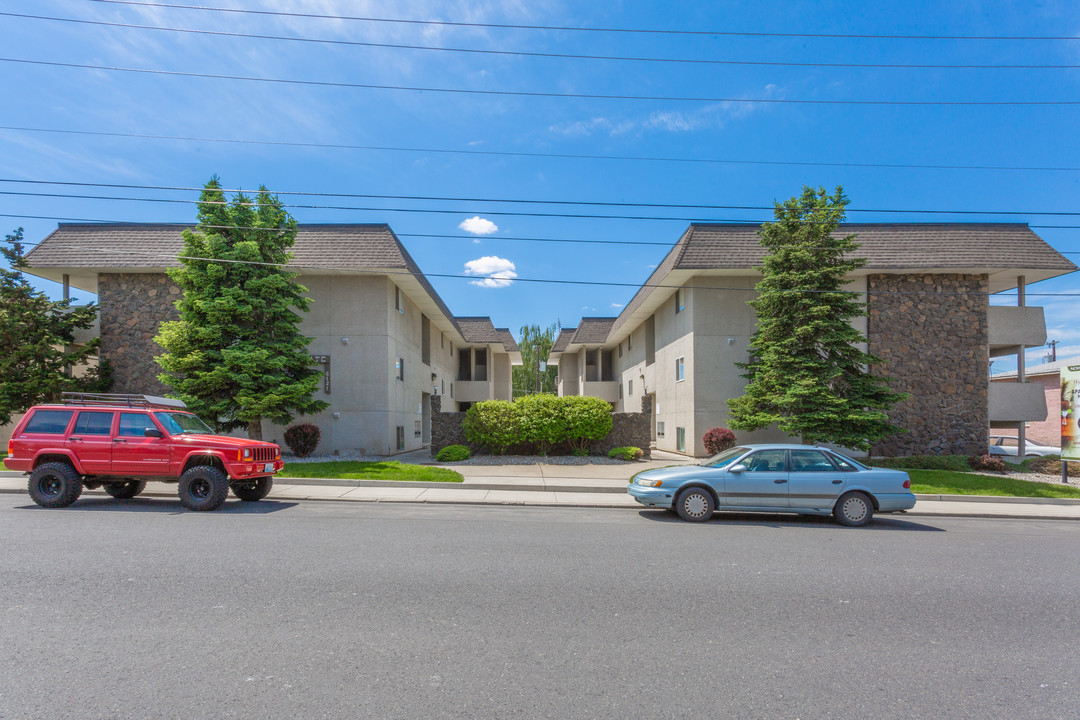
(119, 442)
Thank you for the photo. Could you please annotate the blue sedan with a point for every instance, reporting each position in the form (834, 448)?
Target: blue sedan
(776, 478)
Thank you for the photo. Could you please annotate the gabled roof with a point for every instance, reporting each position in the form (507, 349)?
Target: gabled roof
(591, 331)
(1002, 250)
(481, 331)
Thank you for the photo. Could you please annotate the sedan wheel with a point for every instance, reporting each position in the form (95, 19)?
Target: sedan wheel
(695, 505)
(853, 509)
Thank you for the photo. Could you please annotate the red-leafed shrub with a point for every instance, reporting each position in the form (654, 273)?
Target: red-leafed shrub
(303, 438)
(718, 440)
(987, 462)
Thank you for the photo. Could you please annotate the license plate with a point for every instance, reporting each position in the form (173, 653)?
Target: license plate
(269, 467)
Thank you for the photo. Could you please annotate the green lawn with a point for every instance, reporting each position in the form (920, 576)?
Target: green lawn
(358, 470)
(948, 482)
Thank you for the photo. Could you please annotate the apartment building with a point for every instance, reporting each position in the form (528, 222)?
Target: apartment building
(383, 337)
(928, 318)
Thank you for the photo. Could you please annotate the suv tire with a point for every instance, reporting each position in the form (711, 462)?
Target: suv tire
(253, 490)
(203, 487)
(124, 490)
(54, 485)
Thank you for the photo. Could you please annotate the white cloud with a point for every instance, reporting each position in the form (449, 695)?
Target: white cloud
(616, 305)
(478, 226)
(500, 272)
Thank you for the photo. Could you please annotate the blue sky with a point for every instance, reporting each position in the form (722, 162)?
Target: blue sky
(103, 101)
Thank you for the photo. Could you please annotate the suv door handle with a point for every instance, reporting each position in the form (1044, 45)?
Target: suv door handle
(116, 440)
(779, 482)
(74, 439)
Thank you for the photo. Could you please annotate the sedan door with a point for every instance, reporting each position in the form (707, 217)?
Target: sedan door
(764, 482)
(814, 482)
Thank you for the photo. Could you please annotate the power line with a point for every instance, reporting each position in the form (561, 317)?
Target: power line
(563, 28)
(536, 54)
(551, 281)
(445, 198)
(533, 94)
(568, 156)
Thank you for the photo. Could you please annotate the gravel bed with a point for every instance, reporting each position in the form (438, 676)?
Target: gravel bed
(1040, 477)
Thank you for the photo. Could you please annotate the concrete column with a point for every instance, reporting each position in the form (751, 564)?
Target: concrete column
(1021, 440)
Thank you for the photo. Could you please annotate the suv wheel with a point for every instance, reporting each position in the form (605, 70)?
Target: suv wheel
(203, 487)
(253, 490)
(124, 490)
(55, 485)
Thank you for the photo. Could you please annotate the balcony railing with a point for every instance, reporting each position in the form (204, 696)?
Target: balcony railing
(1010, 327)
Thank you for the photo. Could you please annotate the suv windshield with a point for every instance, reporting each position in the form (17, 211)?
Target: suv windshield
(176, 423)
(725, 458)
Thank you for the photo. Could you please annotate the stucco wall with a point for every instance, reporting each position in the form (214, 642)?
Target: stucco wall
(930, 331)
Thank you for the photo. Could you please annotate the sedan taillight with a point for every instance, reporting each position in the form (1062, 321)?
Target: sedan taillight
(907, 484)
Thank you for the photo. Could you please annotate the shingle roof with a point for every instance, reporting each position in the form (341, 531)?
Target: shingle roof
(591, 331)
(563, 341)
(141, 246)
(481, 331)
(884, 245)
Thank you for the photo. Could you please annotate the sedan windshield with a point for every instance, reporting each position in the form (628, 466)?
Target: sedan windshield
(177, 423)
(725, 458)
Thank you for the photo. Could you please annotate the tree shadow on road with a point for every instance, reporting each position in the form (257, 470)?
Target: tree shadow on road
(165, 505)
(782, 521)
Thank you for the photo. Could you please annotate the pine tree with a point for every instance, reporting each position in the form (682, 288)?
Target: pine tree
(36, 334)
(236, 356)
(807, 374)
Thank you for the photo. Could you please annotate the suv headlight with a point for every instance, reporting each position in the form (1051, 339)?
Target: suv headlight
(247, 453)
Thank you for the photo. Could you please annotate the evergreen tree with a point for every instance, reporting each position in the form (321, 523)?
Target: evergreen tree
(535, 345)
(36, 334)
(235, 356)
(806, 373)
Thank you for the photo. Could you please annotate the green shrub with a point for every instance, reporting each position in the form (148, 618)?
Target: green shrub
(718, 440)
(542, 422)
(588, 419)
(924, 462)
(303, 438)
(453, 453)
(626, 453)
(493, 424)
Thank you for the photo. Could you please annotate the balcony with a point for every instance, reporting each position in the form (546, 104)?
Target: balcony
(472, 391)
(1010, 327)
(1011, 402)
(605, 390)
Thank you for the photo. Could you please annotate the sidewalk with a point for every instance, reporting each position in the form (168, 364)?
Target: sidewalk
(548, 486)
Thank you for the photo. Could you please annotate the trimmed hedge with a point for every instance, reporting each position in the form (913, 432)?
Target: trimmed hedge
(626, 453)
(924, 462)
(303, 438)
(453, 453)
(543, 421)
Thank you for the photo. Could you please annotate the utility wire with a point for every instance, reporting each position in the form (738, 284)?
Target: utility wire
(551, 281)
(569, 156)
(563, 28)
(445, 198)
(523, 93)
(522, 53)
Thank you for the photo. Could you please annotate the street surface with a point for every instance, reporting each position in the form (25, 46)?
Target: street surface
(137, 609)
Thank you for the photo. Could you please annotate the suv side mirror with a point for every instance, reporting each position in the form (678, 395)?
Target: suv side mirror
(152, 432)
(737, 468)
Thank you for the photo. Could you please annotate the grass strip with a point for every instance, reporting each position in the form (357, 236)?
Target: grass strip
(948, 482)
(360, 470)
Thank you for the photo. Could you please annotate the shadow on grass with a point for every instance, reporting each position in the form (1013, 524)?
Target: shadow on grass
(165, 505)
(781, 521)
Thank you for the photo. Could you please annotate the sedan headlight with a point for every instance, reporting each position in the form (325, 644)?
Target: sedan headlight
(649, 482)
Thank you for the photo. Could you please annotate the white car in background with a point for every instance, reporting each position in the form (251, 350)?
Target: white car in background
(1006, 446)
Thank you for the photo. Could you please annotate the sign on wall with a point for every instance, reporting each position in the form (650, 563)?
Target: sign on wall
(1070, 408)
(323, 360)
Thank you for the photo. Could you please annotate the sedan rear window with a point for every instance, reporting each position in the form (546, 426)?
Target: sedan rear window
(49, 422)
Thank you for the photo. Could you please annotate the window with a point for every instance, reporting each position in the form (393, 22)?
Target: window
(659, 428)
(400, 437)
(425, 340)
(401, 368)
(680, 301)
(629, 343)
(630, 388)
(810, 461)
(49, 422)
(680, 370)
(398, 304)
(620, 391)
(451, 391)
(767, 461)
(93, 423)
(444, 386)
(481, 365)
(136, 425)
(620, 349)
(442, 340)
(680, 439)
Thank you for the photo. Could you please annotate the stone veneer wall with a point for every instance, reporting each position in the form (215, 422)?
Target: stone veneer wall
(628, 429)
(930, 331)
(132, 306)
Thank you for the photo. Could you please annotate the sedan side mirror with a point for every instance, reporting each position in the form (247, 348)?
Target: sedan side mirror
(737, 468)
(152, 432)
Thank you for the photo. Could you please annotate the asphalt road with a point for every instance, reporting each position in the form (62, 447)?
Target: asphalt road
(135, 609)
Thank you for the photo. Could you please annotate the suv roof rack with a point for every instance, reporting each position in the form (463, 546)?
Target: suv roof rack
(121, 400)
